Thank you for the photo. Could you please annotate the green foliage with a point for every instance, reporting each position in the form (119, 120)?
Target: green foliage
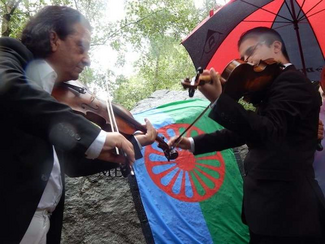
(152, 28)
(135, 89)
(17, 13)
(93, 10)
(155, 29)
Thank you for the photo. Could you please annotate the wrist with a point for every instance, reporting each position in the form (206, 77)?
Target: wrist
(142, 139)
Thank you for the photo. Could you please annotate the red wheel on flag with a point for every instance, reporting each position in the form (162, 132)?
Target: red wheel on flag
(189, 178)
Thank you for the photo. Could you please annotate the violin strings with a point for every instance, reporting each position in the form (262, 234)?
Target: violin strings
(111, 115)
(112, 119)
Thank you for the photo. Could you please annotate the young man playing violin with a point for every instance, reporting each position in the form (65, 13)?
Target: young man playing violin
(282, 201)
(41, 139)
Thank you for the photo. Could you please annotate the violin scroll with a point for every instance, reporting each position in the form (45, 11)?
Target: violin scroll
(198, 80)
(170, 153)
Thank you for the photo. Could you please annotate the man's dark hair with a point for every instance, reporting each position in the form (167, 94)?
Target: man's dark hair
(264, 34)
(60, 19)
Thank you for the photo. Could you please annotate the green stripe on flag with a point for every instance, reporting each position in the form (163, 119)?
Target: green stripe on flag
(222, 212)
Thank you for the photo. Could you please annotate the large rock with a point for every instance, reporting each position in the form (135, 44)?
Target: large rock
(99, 209)
(161, 97)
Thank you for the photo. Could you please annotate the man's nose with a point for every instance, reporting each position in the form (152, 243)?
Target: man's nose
(86, 60)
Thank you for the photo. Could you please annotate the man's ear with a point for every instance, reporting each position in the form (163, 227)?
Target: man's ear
(54, 40)
(277, 45)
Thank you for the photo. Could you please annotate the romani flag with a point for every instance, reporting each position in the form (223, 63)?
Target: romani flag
(193, 199)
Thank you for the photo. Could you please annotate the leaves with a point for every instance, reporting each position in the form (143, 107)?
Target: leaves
(155, 29)
(151, 28)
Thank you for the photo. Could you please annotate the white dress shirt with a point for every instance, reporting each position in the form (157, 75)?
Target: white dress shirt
(42, 74)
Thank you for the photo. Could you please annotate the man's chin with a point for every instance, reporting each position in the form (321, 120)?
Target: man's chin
(75, 77)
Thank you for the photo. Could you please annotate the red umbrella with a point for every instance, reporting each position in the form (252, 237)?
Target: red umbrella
(300, 23)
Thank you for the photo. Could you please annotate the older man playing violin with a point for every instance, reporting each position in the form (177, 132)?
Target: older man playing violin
(41, 139)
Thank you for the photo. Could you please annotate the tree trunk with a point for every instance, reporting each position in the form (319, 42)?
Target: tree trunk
(10, 8)
(156, 73)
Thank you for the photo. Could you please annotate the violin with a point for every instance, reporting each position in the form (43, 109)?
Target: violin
(241, 79)
(82, 101)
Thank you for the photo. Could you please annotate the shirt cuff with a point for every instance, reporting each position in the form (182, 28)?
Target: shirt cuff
(140, 146)
(192, 149)
(96, 147)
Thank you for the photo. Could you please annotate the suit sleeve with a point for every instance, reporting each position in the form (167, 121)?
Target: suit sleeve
(35, 112)
(217, 141)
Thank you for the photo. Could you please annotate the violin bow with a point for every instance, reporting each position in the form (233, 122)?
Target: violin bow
(125, 167)
(179, 138)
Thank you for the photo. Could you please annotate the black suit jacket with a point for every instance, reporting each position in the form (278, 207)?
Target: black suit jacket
(281, 195)
(31, 121)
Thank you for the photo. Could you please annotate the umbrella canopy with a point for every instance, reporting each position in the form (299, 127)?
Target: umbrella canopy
(214, 42)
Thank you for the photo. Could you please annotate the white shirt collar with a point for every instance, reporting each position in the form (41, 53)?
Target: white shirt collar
(287, 64)
(41, 74)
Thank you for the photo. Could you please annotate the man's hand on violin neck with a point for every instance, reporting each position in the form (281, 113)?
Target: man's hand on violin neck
(116, 140)
(182, 142)
(149, 137)
(212, 90)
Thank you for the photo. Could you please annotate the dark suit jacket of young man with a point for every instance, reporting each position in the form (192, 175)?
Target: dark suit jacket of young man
(281, 195)
(31, 122)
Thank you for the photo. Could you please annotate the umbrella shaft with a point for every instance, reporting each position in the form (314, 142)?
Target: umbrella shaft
(296, 27)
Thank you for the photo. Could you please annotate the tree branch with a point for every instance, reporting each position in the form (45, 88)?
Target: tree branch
(14, 7)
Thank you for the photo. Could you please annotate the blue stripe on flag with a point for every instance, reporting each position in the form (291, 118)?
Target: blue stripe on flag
(171, 220)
